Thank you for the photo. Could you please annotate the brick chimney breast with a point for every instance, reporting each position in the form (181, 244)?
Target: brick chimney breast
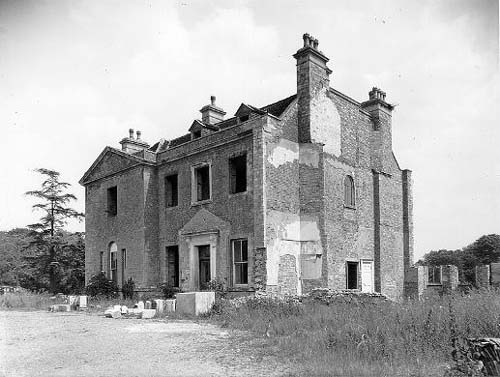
(211, 114)
(312, 77)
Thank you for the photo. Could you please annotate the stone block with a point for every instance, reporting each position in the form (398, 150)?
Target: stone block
(169, 305)
(73, 301)
(160, 305)
(147, 305)
(148, 313)
(60, 308)
(195, 303)
(82, 301)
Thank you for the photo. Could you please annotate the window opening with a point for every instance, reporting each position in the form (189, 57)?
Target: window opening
(112, 201)
(171, 191)
(349, 195)
(240, 261)
(202, 176)
(173, 265)
(238, 174)
(352, 275)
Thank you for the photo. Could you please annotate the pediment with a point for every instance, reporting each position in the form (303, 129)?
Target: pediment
(110, 161)
(196, 126)
(204, 221)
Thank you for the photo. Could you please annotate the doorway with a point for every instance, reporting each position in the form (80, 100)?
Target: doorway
(352, 275)
(204, 265)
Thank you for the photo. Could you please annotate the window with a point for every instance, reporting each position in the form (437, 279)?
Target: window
(101, 262)
(352, 275)
(173, 265)
(196, 134)
(113, 250)
(124, 264)
(202, 183)
(238, 174)
(435, 275)
(240, 261)
(112, 201)
(244, 118)
(349, 194)
(171, 193)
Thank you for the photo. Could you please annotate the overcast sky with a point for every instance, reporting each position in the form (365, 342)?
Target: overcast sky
(76, 75)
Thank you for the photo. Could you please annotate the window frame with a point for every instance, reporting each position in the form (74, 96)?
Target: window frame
(242, 262)
(194, 183)
(431, 270)
(112, 201)
(357, 264)
(232, 168)
(113, 257)
(175, 202)
(173, 249)
(349, 188)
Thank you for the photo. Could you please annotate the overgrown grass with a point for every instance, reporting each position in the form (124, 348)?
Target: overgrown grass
(367, 337)
(25, 301)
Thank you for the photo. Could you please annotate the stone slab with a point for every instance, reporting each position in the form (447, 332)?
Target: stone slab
(194, 303)
(148, 313)
(169, 305)
(160, 305)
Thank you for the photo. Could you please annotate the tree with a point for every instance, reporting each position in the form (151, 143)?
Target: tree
(486, 248)
(47, 244)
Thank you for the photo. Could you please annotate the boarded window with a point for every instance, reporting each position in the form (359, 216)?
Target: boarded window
(112, 201)
(349, 194)
(238, 174)
(173, 265)
(435, 275)
(202, 182)
(240, 261)
(171, 191)
(352, 275)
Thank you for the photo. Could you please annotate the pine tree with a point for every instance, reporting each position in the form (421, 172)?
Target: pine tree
(47, 236)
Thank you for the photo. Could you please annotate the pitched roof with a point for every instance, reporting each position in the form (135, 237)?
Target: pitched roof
(279, 107)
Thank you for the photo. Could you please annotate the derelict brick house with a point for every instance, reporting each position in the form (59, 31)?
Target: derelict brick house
(302, 193)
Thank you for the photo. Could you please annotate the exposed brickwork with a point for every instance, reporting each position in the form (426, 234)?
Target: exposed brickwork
(299, 230)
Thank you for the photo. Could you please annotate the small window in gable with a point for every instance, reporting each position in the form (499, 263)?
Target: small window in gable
(349, 192)
(244, 118)
(196, 134)
(112, 201)
(238, 174)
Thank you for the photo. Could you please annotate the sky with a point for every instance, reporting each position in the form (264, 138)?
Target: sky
(76, 75)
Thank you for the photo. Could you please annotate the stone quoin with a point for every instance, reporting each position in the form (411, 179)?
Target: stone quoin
(305, 192)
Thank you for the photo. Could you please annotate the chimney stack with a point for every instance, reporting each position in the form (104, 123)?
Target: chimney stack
(132, 145)
(211, 114)
(312, 77)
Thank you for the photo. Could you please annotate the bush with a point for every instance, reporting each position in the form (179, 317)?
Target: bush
(169, 290)
(100, 285)
(128, 289)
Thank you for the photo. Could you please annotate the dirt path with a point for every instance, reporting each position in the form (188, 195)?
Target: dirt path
(79, 344)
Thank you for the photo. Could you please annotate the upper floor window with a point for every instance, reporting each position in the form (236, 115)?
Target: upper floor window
(238, 174)
(112, 201)
(349, 194)
(196, 134)
(171, 191)
(240, 261)
(201, 183)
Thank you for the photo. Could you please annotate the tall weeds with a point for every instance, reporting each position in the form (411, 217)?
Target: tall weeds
(369, 338)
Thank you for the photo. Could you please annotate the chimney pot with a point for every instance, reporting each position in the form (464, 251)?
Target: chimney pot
(138, 135)
(131, 133)
(316, 44)
(212, 100)
(306, 39)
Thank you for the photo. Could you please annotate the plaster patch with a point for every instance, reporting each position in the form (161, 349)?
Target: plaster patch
(308, 156)
(325, 123)
(309, 230)
(275, 249)
(284, 152)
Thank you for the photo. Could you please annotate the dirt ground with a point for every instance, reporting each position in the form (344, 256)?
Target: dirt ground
(81, 344)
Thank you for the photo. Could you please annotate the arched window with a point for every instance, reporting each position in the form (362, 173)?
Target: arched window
(113, 250)
(349, 194)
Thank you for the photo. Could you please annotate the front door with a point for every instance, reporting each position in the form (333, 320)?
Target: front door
(367, 276)
(204, 267)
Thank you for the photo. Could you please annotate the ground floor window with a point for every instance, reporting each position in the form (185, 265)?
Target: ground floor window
(435, 275)
(240, 261)
(173, 265)
(124, 264)
(352, 275)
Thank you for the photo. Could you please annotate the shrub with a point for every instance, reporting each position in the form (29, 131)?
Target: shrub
(100, 285)
(168, 290)
(128, 289)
